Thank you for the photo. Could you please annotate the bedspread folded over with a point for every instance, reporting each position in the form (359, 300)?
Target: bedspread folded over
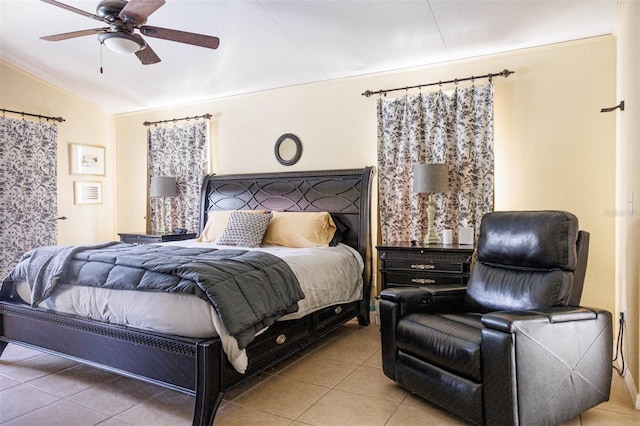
(248, 289)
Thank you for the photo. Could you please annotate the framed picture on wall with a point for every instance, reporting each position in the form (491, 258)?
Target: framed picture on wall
(87, 192)
(86, 159)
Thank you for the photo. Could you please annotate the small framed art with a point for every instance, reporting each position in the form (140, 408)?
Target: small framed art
(87, 192)
(86, 159)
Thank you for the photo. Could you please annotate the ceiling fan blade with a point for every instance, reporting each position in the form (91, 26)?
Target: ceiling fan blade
(73, 9)
(201, 40)
(74, 34)
(147, 56)
(139, 10)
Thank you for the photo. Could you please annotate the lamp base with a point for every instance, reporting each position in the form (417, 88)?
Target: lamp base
(431, 237)
(163, 229)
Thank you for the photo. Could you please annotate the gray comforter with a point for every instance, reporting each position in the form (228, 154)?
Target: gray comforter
(248, 289)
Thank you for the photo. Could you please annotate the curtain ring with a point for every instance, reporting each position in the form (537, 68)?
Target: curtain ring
(455, 81)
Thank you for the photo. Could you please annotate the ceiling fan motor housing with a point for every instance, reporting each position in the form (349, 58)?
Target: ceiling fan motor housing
(110, 9)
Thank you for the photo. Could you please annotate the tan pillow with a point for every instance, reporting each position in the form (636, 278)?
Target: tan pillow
(300, 229)
(217, 221)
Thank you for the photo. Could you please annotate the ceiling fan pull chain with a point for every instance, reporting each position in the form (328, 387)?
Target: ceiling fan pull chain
(101, 45)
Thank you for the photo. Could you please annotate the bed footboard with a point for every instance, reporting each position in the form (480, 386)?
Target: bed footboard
(196, 364)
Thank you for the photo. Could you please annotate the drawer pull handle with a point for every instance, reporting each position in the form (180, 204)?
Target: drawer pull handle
(423, 281)
(338, 309)
(420, 266)
(281, 339)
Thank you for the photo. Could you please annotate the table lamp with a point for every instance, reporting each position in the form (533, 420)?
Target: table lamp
(431, 179)
(163, 187)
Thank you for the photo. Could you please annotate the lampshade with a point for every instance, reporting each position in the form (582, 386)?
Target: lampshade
(163, 186)
(121, 42)
(430, 178)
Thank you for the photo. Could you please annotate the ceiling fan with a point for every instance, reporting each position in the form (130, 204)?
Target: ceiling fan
(122, 18)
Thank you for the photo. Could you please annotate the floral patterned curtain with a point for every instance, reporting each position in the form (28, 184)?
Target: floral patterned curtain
(455, 129)
(181, 151)
(28, 188)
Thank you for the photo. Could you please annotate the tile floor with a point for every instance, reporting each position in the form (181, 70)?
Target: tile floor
(337, 381)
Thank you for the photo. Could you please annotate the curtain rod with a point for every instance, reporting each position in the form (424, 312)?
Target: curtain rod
(504, 73)
(173, 120)
(59, 119)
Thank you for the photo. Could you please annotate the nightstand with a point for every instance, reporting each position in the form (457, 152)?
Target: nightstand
(142, 238)
(404, 265)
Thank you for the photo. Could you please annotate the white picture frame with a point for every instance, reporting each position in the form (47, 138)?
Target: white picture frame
(86, 160)
(87, 192)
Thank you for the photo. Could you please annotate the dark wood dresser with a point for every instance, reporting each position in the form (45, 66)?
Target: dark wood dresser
(406, 265)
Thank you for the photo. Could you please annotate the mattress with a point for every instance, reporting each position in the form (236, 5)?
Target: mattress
(327, 276)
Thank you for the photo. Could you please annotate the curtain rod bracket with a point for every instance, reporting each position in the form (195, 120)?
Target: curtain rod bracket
(620, 105)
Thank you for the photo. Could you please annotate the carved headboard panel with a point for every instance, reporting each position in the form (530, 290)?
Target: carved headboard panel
(346, 194)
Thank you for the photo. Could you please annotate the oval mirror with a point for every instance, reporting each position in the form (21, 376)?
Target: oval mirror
(288, 149)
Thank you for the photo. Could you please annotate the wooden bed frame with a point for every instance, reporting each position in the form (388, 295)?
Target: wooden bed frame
(199, 366)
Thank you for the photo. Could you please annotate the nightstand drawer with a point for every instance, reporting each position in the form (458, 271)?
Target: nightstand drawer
(426, 265)
(400, 279)
(142, 238)
(403, 264)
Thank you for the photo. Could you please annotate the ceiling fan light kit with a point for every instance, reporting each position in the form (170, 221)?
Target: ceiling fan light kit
(121, 42)
(123, 18)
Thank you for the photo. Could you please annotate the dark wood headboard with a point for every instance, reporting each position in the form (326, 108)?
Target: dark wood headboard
(346, 194)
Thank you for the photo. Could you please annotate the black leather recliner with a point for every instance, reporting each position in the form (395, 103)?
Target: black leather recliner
(514, 347)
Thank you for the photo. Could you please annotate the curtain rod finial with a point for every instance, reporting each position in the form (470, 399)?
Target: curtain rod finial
(506, 73)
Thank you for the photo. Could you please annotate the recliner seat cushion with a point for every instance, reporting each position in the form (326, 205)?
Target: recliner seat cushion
(450, 341)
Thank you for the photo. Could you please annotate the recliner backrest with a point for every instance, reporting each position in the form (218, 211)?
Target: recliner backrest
(525, 260)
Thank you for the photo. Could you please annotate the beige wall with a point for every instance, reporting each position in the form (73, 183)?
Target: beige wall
(554, 149)
(628, 187)
(85, 124)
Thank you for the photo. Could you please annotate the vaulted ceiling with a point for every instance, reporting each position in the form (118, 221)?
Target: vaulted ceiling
(266, 44)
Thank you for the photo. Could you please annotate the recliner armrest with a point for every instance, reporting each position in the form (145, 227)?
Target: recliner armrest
(560, 352)
(505, 320)
(428, 299)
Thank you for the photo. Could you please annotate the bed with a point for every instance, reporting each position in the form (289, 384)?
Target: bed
(199, 366)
